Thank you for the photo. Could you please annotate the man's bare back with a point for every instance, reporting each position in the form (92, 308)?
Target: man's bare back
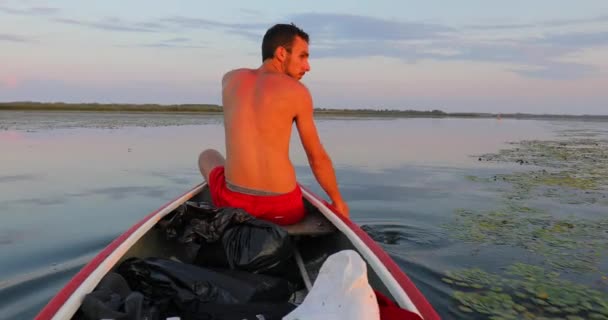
(260, 108)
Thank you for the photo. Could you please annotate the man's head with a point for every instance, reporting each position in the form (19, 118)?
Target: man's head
(288, 45)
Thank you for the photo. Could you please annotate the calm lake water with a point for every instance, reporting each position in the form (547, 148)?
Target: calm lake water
(72, 182)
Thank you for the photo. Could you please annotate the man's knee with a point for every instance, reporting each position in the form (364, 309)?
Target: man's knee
(210, 156)
(208, 160)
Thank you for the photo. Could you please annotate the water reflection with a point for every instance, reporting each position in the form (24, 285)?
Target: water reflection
(70, 183)
(381, 144)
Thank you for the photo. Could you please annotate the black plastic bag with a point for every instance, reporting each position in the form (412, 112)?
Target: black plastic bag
(244, 311)
(113, 299)
(192, 292)
(162, 279)
(230, 237)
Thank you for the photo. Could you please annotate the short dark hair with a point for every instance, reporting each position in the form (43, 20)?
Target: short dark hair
(280, 35)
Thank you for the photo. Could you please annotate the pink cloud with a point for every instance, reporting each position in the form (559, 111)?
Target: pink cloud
(9, 81)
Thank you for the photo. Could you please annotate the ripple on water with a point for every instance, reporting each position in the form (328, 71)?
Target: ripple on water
(21, 297)
(403, 235)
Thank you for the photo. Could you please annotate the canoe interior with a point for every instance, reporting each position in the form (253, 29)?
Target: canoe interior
(315, 239)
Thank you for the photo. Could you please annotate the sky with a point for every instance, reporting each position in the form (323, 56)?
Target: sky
(542, 56)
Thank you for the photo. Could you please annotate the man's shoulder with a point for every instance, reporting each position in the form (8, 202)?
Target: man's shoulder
(239, 70)
(293, 86)
(297, 95)
(302, 92)
(235, 73)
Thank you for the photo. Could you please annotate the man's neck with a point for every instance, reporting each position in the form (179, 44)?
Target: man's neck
(272, 66)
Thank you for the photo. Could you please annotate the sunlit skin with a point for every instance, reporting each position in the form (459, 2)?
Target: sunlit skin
(296, 63)
(260, 107)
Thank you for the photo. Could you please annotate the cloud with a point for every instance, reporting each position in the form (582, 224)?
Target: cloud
(538, 59)
(9, 82)
(328, 26)
(360, 49)
(336, 35)
(34, 11)
(502, 26)
(177, 42)
(113, 24)
(254, 36)
(350, 36)
(576, 40)
(567, 22)
(496, 51)
(13, 38)
(557, 71)
(549, 23)
(251, 12)
(151, 25)
(174, 23)
(171, 45)
(199, 23)
(179, 39)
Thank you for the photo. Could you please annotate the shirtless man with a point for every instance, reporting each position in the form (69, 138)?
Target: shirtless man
(260, 106)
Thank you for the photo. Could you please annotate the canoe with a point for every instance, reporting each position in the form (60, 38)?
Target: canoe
(332, 232)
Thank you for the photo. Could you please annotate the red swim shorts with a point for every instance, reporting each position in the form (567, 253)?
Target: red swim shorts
(282, 209)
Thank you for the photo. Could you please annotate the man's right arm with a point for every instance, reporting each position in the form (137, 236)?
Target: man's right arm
(319, 160)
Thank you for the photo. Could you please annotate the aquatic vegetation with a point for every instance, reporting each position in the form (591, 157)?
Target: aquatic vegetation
(564, 186)
(559, 154)
(565, 243)
(575, 170)
(583, 132)
(525, 292)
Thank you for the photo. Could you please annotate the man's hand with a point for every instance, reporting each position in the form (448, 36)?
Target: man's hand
(342, 208)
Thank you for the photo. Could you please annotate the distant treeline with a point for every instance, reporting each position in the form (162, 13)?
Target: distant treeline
(400, 113)
(441, 114)
(213, 108)
(380, 112)
(59, 106)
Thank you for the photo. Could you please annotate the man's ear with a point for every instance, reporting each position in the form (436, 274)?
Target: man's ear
(280, 53)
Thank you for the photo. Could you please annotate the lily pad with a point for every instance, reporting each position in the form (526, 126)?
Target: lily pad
(566, 243)
(574, 170)
(550, 294)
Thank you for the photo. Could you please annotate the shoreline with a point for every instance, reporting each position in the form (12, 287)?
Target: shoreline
(214, 109)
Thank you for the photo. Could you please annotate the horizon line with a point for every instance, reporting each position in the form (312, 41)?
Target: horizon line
(436, 111)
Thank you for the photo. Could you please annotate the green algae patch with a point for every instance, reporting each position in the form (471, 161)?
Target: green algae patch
(565, 243)
(558, 154)
(573, 171)
(525, 292)
(566, 187)
(568, 181)
(569, 171)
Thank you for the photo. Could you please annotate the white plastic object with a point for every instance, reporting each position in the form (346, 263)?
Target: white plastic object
(341, 291)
